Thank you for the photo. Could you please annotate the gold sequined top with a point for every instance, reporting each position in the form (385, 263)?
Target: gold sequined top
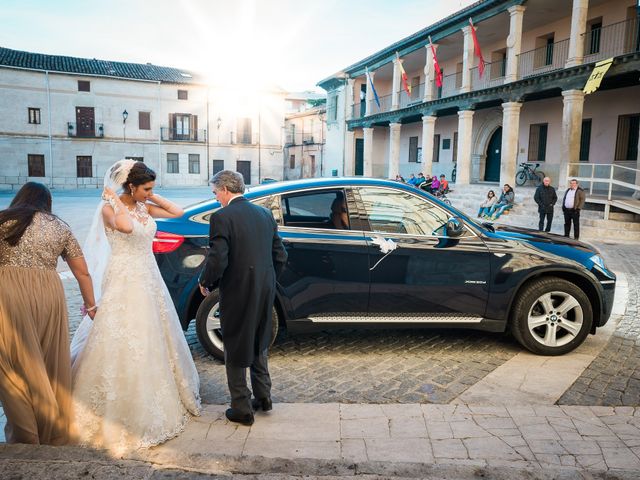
(42, 243)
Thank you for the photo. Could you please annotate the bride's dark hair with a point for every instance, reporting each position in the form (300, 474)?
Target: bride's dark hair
(139, 175)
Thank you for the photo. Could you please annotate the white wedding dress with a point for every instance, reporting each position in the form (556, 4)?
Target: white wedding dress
(134, 380)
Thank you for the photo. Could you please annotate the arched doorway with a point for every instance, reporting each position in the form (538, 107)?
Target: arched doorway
(492, 165)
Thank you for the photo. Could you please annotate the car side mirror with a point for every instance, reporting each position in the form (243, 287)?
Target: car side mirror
(454, 227)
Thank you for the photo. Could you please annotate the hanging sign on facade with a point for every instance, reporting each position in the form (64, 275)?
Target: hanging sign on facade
(597, 75)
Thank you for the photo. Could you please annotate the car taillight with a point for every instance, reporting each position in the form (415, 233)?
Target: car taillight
(165, 242)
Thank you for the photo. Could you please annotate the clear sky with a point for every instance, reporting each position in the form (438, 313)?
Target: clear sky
(292, 43)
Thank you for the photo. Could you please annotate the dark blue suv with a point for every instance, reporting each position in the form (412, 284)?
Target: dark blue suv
(365, 251)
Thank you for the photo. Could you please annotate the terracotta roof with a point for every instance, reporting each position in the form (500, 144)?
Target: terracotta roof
(92, 66)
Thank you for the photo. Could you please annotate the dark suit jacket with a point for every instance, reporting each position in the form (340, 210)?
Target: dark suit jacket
(245, 256)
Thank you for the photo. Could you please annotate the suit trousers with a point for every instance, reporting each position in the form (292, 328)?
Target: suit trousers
(549, 217)
(571, 215)
(237, 381)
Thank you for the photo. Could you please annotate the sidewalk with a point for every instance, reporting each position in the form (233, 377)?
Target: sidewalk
(338, 440)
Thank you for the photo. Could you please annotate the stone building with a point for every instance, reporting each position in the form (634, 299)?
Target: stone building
(305, 135)
(527, 106)
(64, 120)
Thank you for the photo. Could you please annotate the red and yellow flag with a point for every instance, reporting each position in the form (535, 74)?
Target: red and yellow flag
(403, 75)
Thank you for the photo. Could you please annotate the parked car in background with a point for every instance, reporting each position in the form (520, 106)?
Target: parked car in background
(376, 252)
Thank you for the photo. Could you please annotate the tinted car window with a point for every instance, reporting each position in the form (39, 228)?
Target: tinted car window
(324, 209)
(393, 211)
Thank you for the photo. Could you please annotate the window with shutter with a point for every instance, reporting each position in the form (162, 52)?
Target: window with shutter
(436, 148)
(36, 165)
(144, 120)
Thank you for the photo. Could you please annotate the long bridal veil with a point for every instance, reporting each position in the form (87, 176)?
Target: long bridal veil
(97, 253)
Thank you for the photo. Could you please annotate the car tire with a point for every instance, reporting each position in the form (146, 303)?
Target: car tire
(551, 316)
(208, 326)
(521, 178)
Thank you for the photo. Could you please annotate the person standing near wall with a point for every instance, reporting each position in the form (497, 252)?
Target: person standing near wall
(546, 199)
(572, 203)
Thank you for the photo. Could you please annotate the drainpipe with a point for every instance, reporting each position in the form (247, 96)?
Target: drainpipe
(159, 140)
(208, 136)
(46, 76)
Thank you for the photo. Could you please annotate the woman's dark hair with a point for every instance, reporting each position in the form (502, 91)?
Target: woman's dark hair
(31, 198)
(492, 192)
(139, 175)
(509, 189)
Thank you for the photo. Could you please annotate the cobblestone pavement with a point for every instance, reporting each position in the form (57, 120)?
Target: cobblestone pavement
(360, 366)
(613, 378)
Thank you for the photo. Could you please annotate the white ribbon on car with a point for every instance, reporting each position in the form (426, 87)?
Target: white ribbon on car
(386, 246)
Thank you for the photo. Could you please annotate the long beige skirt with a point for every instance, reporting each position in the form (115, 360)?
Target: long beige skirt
(35, 365)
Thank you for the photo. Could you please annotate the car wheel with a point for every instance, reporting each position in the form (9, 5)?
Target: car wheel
(551, 316)
(521, 178)
(208, 325)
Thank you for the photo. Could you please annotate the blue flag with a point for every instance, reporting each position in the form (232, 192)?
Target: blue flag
(373, 89)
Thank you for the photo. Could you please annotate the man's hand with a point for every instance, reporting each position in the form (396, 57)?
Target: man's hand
(204, 290)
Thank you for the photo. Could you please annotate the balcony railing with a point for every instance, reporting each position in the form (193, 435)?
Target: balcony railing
(85, 131)
(183, 135)
(611, 40)
(417, 93)
(360, 109)
(299, 138)
(450, 85)
(545, 59)
(492, 76)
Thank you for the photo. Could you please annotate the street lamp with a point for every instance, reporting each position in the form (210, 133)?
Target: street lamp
(125, 115)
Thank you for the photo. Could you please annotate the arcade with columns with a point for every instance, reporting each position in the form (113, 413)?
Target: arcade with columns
(527, 106)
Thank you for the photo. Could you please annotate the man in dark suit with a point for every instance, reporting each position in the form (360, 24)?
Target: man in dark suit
(546, 198)
(245, 256)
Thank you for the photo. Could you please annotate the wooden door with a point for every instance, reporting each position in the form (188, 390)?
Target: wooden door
(85, 122)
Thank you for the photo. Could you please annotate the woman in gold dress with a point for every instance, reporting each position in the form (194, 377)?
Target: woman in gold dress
(35, 365)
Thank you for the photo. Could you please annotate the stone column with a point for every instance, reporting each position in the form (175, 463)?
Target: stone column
(465, 131)
(509, 148)
(428, 131)
(467, 59)
(395, 89)
(578, 28)
(371, 100)
(394, 150)
(368, 152)
(349, 153)
(429, 76)
(349, 100)
(573, 103)
(514, 42)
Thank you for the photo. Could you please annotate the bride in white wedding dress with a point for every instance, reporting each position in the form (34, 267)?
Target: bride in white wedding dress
(134, 381)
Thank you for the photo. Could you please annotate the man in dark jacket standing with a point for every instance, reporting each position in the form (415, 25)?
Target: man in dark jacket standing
(546, 199)
(245, 256)
(572, 203)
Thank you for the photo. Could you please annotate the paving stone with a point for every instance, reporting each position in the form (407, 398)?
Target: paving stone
(449, 448)
(621, 457)
(417, 450)
(490, 448)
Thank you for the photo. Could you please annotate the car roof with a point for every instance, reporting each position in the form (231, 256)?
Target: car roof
(288, 185)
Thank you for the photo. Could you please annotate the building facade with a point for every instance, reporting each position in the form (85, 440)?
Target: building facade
(65, 120)
(528, 104)
(304, 142)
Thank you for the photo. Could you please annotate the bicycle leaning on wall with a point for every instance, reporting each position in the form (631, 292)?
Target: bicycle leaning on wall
(528, 172)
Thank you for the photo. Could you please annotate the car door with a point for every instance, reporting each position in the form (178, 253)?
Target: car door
(429, 274)
(327, 274)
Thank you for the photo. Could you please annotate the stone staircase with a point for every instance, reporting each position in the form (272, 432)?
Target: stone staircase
(621, 227)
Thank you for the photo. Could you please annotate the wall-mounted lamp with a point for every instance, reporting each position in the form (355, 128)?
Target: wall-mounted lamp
(219, 122)
(125, 115)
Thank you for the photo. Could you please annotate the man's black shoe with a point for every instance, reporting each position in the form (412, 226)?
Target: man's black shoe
(235, 416)
(262, 403)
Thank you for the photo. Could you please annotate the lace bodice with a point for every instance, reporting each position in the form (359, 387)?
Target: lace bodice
(140, 240)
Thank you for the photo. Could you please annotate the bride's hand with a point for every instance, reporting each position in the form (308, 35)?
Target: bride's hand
(109, 195)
